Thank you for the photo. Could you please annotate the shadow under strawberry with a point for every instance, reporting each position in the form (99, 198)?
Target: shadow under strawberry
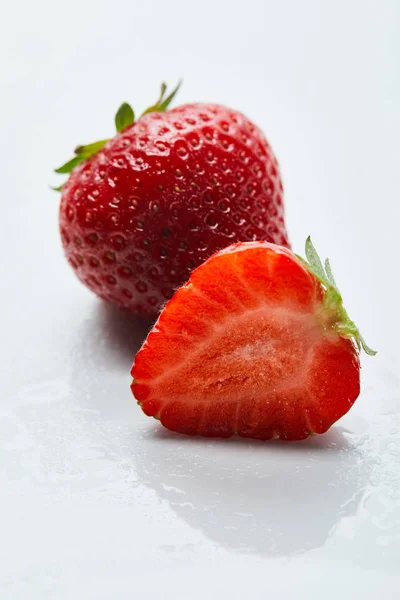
(268, 498)
(114, 336)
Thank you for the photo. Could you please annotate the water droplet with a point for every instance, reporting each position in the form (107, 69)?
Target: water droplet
(238, 219)
(202, 245)
(210, 157)
(211, 220)
(194, 203)
(160, 146)
(134, 202)
(194, 141)
(224, 205)
(182, 150)
(239, 175)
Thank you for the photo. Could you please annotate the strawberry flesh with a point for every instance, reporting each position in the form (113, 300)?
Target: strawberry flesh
(244, 348)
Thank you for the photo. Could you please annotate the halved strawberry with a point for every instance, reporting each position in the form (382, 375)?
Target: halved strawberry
(257, 343)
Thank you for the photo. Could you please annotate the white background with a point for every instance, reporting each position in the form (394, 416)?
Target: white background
(96, 501)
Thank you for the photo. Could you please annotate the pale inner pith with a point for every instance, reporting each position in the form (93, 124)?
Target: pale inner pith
(268, 349)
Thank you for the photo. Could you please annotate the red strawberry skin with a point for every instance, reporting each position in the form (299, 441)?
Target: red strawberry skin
(244, 348)
(162, 196)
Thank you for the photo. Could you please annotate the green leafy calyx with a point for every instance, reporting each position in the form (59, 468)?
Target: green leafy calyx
(163, 102)
(333, 312)
(124, 117)
(81, 154)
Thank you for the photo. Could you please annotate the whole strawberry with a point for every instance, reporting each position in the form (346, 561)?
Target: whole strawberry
(141, 210)
(257, 343)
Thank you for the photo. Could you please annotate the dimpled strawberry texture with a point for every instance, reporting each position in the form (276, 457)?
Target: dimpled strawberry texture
(164, 195)
(239, 350)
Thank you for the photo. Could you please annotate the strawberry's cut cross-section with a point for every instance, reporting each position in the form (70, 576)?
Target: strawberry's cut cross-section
(248, 347)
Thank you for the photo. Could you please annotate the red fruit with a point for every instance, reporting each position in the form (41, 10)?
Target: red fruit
(256, 343)
(141, 210)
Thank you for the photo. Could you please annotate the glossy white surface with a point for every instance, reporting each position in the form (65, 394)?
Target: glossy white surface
(98, 502)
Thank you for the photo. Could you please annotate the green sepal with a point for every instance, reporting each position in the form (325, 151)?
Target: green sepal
(333, 301)
(57, 189)
(365, 346)
(167, 101)
(125, 116)
(82, 153)
(162, 103)
(314, 260)
(68, 166)
(154, 107)
(90, 149)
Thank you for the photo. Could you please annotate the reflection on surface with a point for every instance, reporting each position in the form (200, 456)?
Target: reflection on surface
(269, 498)
(266, 498)
(102, 355)
(114, 336)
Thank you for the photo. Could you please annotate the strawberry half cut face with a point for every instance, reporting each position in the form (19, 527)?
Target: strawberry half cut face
(255, 344)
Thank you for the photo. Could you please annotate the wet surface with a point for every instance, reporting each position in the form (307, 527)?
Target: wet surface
(84, 471)
(98, 502)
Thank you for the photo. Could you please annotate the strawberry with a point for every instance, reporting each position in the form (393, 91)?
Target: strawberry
(141, 210)
(256, 343)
